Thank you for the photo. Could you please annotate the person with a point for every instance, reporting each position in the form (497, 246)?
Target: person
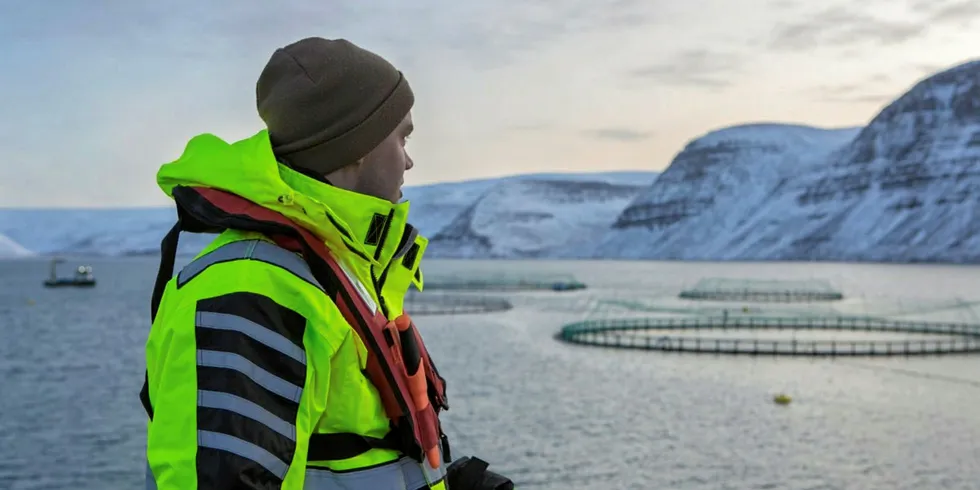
(280, 356)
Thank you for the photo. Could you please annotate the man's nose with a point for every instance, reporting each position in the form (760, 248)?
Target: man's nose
(409, 163)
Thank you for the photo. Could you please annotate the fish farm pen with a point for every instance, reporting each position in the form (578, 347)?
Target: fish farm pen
(661, 334)
(658, 320)
(496, 281)
(418, 304)
(763, 290)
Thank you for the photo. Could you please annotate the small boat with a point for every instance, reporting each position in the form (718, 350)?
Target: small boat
(83, 277)
(568, 286)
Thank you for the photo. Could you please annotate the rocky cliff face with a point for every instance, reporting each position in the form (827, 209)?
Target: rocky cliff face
(906, 188)
(713, 186)
(903, 188)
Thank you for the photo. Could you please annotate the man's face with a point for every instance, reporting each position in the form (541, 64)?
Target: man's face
(382, 173)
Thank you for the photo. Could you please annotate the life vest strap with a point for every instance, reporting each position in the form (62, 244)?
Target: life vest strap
(346, 445)
(168, 255)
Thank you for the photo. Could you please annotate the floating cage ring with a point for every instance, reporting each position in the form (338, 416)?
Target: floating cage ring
(642, 333)
(762, 290)
(449, 304)
(504, 282)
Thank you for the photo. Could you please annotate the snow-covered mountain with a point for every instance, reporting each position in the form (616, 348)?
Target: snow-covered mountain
(715, 184)
(10, 248)
(433, 208)
(904, 188)
(544, 216)
(110, 232)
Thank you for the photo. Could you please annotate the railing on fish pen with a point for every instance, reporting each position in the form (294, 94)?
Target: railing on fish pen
(626, 333)
(762, 290)
(417, 304)
(762, 296)
(503, 282)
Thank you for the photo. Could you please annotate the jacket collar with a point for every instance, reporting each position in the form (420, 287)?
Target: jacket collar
(378, 226)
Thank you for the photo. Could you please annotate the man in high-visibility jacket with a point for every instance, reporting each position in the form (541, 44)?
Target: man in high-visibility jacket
(280, 357)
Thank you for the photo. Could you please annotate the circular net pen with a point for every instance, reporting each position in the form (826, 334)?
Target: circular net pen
(499, 281)
(762, 290)
(418, 304)
(723, 335)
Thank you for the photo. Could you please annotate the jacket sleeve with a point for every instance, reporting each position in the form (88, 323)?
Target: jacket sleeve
(226, 378)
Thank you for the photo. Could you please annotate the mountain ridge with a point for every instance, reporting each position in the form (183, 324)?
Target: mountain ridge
(138, 231)
(905, 187)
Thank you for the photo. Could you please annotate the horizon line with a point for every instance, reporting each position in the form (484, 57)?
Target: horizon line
(418, 186)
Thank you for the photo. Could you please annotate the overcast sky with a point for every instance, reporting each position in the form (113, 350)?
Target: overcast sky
(95, 95)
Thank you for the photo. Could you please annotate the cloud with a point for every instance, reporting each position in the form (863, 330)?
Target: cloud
(530, 126)
(120, 88)
(962, 13)
(840, 26)
(861, 98)
(483, 33)
(783, 4)
(699, 68)
(619, 134)
(879, 78)
(864, 92)
(928, 68)
(507, 28)
(844, 26)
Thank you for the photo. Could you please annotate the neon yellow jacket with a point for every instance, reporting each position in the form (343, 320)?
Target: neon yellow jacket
(246, 359)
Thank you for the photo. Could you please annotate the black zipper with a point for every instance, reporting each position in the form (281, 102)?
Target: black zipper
(377, 256)
(406, 242)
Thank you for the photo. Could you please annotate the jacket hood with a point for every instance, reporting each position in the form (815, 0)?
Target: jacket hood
(374, 230)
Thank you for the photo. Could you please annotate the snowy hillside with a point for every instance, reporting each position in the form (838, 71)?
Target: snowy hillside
(94, 231)
(904, 188)
(11, 249)
(713, 186)
(433, 208)
(544, 216)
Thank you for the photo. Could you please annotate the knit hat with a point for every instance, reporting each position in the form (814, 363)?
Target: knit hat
(328, 103)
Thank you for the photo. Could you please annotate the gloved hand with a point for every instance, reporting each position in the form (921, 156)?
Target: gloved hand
(471, 473)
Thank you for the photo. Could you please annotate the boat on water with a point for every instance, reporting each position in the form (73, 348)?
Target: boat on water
(83, 276)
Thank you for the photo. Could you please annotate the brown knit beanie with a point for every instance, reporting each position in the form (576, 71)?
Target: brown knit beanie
(328, 103)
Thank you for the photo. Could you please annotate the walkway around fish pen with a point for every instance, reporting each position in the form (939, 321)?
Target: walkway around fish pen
(762, 290)
(762, 296)
(504, 282)
(964, 338)
(418, 304)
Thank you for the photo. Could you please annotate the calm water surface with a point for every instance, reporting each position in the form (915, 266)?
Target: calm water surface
(550, 415)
